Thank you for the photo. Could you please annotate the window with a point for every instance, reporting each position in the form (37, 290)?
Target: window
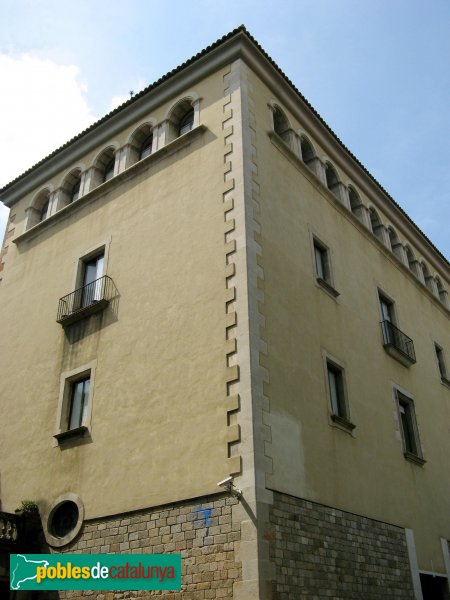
(104, 167)
(322, 267)
(108, 170)
(337, 396)
(75, 403)
(63, 522)
(79, 395)
(141, 144)
(182, 117)
(412, 263)
(395, 244)
(186, 122)
(92, 290)
(376, 224)
(441, 291)
(308, 154)
(39, 209)
(43, 213)
(428, 279)
(387, 310)
(64, 519)
(331, 176)
(408, 428)
(396, 343)
(75, 191)
(91, 286)
(441, 363)
(71, 186)
(146, 147)
(281, 125)
(356, 206)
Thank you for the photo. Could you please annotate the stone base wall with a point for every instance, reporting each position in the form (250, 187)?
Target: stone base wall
(321, 552)
(202, 531)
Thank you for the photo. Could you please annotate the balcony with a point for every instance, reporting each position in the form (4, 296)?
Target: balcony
(397, 344)
(9, 529)
(87, 300)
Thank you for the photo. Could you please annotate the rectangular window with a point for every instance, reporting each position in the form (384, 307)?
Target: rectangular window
(336, 391)
(396, 343)
(409, 430)
(387, 309)
(441, 363)
(91, 285)
(337, 396)
(74, 413)
(407, 423)
(322, 262)
(79, 395)
(387, 318)
(322, 267)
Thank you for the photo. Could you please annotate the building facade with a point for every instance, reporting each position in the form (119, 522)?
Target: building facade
(206, 284)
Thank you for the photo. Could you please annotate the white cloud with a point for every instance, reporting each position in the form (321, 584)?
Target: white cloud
(42, 106)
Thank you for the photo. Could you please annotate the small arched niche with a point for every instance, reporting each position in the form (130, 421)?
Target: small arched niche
(332, 180)
(104, 166)
(181, 119)
(412, 262)
(281, 125)
(428, 279)
(70, 189)
(308, 153)
(376, 224)
(356, 205)
(39, 210)
(141, 143)
(442, 293)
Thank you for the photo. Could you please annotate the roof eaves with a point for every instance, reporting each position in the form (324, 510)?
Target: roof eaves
(239, 30)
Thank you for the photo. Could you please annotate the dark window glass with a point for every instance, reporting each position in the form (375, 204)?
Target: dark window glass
(146, 148)
(108, 170)
(407, 426)
(64, 519)
(336, 386)
(79, 395)
(186, 123)
(91, 290)
(441, 361)
(75, 192)
(44, 210)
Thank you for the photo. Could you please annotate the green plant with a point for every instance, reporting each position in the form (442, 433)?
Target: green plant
(29, 506)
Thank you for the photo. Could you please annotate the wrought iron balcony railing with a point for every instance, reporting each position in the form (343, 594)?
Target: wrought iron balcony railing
(9, 528)
(85, 301)
(398, 344)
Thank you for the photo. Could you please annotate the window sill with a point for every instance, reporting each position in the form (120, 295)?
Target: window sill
(400, 356)
(414, 458)
(343, 423)
(70, 434)
(445, 382)
(327, 287)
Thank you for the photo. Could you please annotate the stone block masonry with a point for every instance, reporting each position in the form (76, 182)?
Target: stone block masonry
(321, 552)
(201, 530)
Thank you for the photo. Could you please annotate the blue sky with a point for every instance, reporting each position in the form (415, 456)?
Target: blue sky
(378, 71)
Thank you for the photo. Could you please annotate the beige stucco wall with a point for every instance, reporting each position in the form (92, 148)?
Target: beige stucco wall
(365, 473)
(158, 416)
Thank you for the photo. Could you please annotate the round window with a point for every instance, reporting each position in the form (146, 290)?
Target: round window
(65, 519)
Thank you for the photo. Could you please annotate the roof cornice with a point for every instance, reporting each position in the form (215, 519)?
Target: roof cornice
(237, 44)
